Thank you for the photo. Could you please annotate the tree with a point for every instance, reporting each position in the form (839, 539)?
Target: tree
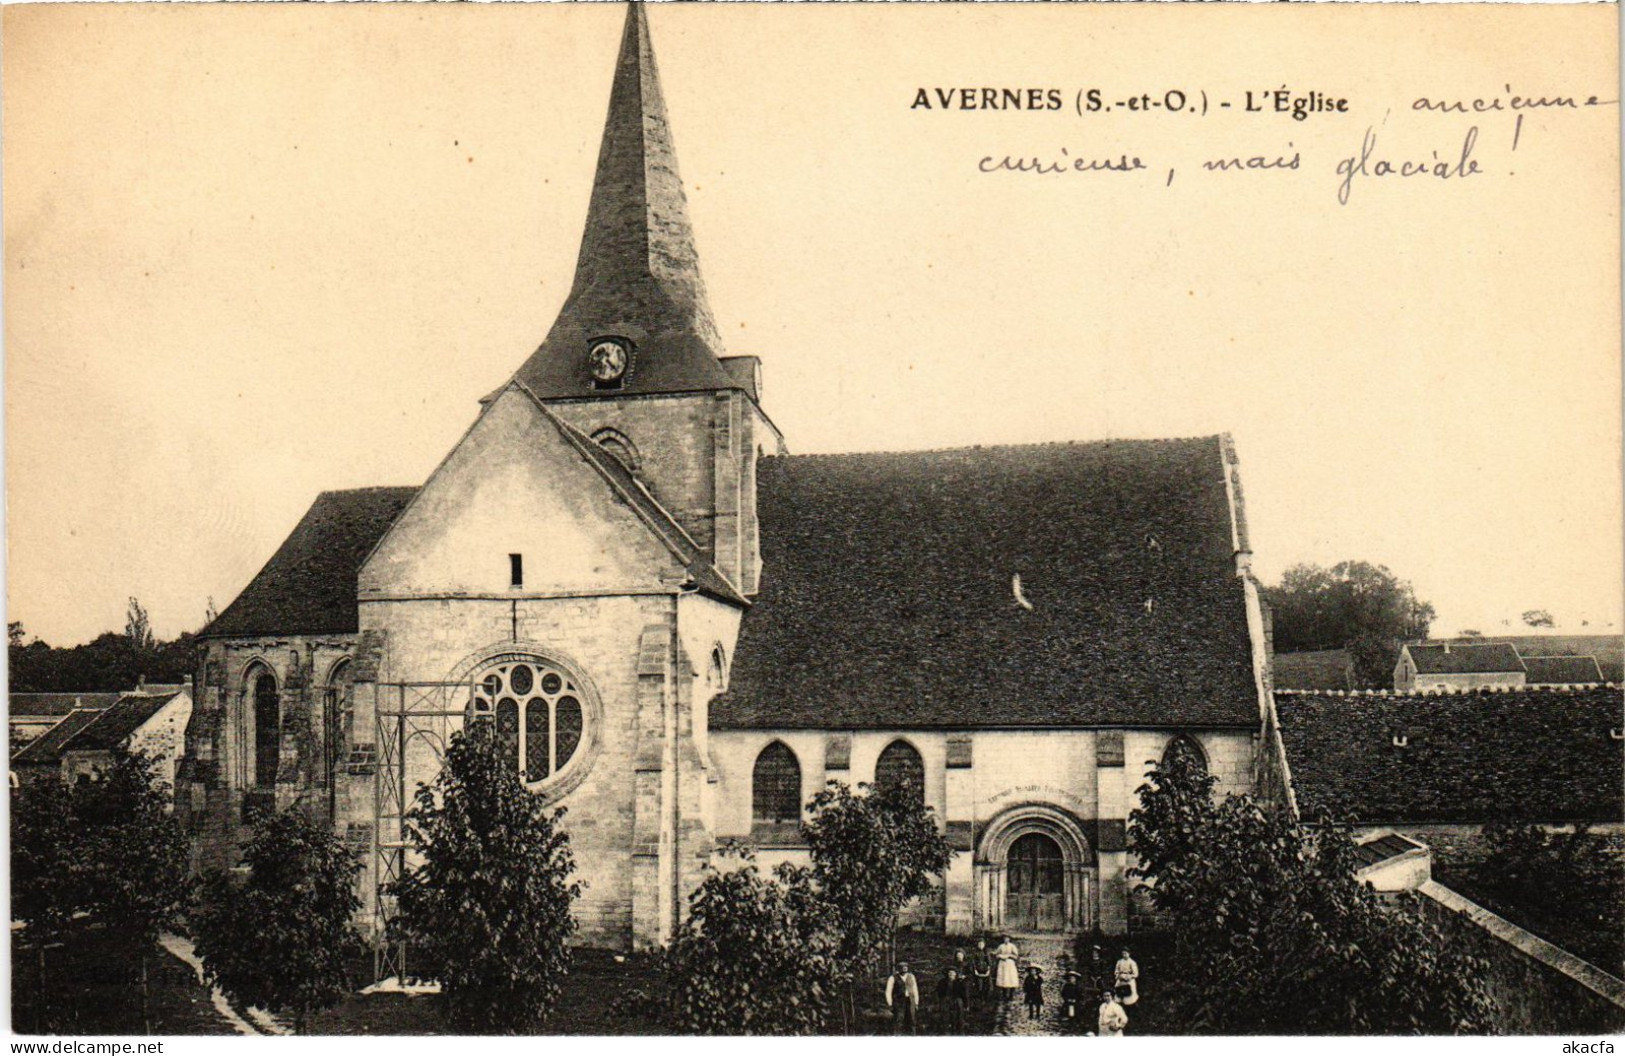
(872, 853)
(489, 904)
(1273, 934)
(755, 955)
(135, 856)
(1469, 632)
(1354, 605)
(47, 872)
(283, 937)
(1566, 886)
(137, 628)
(1539, 618)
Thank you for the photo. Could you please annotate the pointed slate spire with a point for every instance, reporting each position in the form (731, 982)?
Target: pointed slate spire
(637, 276)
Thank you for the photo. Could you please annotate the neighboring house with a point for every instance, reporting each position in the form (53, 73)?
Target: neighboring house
(30, 714)
(152, 720)
(1426, 666)
(1448, 665)
(680, 632)
(1562, 670)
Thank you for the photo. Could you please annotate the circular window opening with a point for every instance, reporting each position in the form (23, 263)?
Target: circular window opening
(537, 714)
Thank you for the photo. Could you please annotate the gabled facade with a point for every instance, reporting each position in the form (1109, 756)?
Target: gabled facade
(679, 631)
(1425, 666)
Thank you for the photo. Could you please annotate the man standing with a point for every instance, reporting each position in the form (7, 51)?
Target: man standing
(955, 993)
(903, 998)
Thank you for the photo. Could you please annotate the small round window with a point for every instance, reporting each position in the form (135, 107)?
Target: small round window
(537, 714)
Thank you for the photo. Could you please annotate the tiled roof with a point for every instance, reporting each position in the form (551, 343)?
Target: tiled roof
(309, 585)
(1489, 658)
(112, 727)
(1518, 754)
(637, 275)
(43, 705)
(1320, 669)
(887, 596)
(46, 749)
(1383, 848)
(1561, 670)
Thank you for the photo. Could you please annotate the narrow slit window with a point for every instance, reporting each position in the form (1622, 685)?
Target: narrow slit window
(516, 570)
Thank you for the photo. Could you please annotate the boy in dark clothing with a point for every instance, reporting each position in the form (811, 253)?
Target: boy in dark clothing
(954, 992)
(1071, 999)
(1032, 988)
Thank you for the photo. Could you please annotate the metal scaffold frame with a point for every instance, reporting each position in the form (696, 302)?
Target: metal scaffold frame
(406, 711)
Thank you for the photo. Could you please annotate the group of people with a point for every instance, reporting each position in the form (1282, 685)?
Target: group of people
(997, 974)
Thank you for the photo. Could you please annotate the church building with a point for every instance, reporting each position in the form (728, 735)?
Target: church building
(681, 631)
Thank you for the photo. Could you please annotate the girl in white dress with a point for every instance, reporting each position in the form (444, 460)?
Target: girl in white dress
(1007, 980)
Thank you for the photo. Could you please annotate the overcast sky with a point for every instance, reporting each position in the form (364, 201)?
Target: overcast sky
(255, 253)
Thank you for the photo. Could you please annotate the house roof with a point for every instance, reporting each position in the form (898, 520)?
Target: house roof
(113, 727)
(309, 585)
(1485, 658)
(638, 274)
(46, 705)
(1561, 670)
(887, 597)
(1513, 754)
(1318, 669)
(1382, 849)
(46, 749)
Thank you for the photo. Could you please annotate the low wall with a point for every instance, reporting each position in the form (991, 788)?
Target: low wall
(1538, 988)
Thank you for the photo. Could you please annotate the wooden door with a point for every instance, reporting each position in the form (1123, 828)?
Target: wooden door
(1035, 885)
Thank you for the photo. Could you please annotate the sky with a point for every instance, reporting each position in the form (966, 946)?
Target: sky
(254, 253)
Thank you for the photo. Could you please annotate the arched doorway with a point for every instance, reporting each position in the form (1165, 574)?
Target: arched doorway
(1035, 872)
(1035, 885)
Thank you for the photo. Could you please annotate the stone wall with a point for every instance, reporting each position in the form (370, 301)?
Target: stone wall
(1537, 987)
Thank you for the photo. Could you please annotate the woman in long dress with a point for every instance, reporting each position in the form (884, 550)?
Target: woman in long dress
(1127, 975)
(1007, 980)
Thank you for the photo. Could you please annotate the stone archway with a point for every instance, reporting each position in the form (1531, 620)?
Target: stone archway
(1035, 871)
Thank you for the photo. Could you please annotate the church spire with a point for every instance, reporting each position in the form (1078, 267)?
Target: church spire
(637, 283)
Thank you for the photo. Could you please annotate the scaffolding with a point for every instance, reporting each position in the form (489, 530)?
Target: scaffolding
(407, 713)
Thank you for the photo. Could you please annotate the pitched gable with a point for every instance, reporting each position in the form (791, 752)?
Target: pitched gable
(1497, 658)
(521, 481)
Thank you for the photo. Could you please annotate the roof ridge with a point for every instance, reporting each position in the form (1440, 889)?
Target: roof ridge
(999, 447)
(1454, 691)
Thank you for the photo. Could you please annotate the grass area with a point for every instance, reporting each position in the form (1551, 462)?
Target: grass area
(88, 989)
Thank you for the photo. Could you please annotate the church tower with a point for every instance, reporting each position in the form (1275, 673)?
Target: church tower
(635, 360)
(576, 570)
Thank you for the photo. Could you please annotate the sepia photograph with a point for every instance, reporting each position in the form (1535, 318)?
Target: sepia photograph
(1072, 520)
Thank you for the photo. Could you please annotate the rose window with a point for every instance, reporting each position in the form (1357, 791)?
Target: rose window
(537, 715)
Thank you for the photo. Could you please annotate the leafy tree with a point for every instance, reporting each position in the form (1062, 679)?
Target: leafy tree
(1468, 632)
(137, 627)
(283, 937)
(107, 664)
(489, 904)
(1272, 932)
(1567, 885)
(135, 854)
(1353, 605)
(755, 955)
(47, 870)
(1539, 618)
(872, 853)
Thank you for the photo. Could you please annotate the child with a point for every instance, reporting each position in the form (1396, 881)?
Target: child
(1033, 989)
(1071, 997)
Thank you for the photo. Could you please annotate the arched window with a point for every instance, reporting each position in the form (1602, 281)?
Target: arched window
(267, 711)
(1186, 745)
(900, 766)
(338, 703)
(775, 786)
(538, 714)
(716, 677)
(620, 445)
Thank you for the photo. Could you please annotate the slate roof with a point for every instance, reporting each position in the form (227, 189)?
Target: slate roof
(1517, 754)
(1318, 669)
(43, 705)
(112, 727)
(638, 274)
(1561, 670)
(1382, 849)
(1489, 658)
(886, 596)
(46, 749)
(309, 585)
